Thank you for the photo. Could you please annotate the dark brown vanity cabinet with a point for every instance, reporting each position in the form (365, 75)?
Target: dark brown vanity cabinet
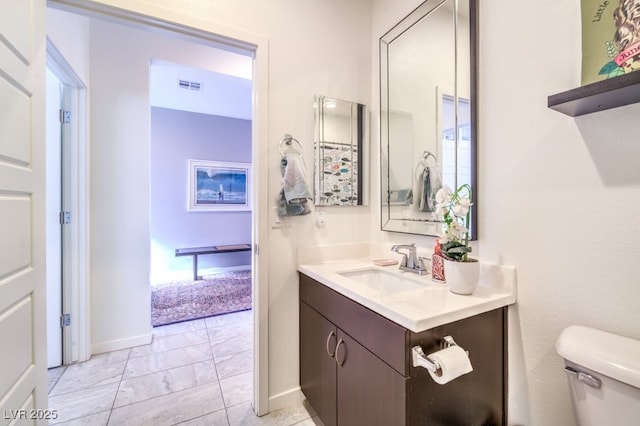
(344, 382)
(356, 368)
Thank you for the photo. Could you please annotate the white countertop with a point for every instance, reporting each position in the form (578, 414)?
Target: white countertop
(418, 310)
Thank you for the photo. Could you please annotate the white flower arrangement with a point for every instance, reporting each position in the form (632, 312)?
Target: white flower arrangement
(455, 209)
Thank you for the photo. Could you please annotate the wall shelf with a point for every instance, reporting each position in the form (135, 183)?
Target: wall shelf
(598, 96)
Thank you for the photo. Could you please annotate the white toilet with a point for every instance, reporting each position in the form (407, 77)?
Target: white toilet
(604, 376)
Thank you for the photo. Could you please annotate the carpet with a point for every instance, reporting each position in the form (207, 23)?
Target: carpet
(214, 295)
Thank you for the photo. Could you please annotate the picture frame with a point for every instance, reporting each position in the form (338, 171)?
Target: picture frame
(219, 186)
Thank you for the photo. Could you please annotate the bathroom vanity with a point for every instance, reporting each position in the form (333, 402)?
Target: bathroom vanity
(356, 349)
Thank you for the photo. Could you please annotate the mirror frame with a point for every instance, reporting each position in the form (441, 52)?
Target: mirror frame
(430, 228)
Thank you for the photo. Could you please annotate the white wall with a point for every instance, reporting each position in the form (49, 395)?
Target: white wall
(120, 158)
(70, 33)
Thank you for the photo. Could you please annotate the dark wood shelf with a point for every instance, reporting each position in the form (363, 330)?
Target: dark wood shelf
(598, 96)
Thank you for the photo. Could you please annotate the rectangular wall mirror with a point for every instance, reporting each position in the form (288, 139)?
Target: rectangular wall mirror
(427, 113)
(339, 148)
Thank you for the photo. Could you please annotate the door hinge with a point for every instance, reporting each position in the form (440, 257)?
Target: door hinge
(255, 249)
(65, 320)
(65, 116)
(65, 218)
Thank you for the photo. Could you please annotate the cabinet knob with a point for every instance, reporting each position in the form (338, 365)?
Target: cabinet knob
(331, 352)
(338, 361)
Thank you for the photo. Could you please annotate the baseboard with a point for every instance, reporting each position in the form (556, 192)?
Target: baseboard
(116, 345)
(285, 399)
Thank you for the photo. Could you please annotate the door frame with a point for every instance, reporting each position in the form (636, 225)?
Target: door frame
(149, 17)
(75, 187)
(53, 237)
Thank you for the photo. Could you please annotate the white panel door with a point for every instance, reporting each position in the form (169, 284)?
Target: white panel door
(23, 360)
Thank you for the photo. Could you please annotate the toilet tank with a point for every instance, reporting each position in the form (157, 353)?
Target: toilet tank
(604, 376)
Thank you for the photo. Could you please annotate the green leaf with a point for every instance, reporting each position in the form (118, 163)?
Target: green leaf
(454, 250)
(616, 73)
(460, 250)
(608, 68)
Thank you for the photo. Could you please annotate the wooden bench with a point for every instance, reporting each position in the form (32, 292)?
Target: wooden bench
(196, 251)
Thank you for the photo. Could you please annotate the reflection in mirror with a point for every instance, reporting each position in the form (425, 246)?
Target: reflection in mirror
(456, 162)
(427, 119)
(340, 132)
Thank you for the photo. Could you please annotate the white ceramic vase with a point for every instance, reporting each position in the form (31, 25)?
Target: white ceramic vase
(462, 277)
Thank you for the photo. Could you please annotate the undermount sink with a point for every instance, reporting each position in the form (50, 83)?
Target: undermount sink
(384, 281)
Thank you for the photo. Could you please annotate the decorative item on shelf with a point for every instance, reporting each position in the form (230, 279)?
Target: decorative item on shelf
(437, 264)
(461, 272)
(610, 42)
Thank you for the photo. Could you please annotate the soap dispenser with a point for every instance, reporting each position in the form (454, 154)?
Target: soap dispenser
(437, 264)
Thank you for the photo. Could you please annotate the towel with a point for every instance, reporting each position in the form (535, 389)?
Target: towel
(431, 183)
(294, 193)
(416, 191)
(425, 194)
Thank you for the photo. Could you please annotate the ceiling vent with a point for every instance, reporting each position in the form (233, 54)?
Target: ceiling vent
(189, 85)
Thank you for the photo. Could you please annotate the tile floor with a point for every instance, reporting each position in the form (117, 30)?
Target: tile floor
(193, 373)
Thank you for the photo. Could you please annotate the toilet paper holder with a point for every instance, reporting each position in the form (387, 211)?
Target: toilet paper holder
(421, 360)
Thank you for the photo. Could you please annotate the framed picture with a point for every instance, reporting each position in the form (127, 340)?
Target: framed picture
(219, 186)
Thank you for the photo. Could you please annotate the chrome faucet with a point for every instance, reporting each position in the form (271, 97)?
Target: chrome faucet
(410, 261)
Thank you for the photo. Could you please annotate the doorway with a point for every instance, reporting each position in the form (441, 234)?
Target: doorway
(200, 124)
(210, 34)
(66, 238)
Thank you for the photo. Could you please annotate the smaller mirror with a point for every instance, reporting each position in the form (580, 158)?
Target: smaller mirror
(340, 133)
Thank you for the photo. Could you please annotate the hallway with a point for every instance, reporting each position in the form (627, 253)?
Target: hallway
(193, 373)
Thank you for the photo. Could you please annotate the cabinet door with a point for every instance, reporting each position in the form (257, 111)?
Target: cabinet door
(317, 366)
(369, 391)
(477, 398)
